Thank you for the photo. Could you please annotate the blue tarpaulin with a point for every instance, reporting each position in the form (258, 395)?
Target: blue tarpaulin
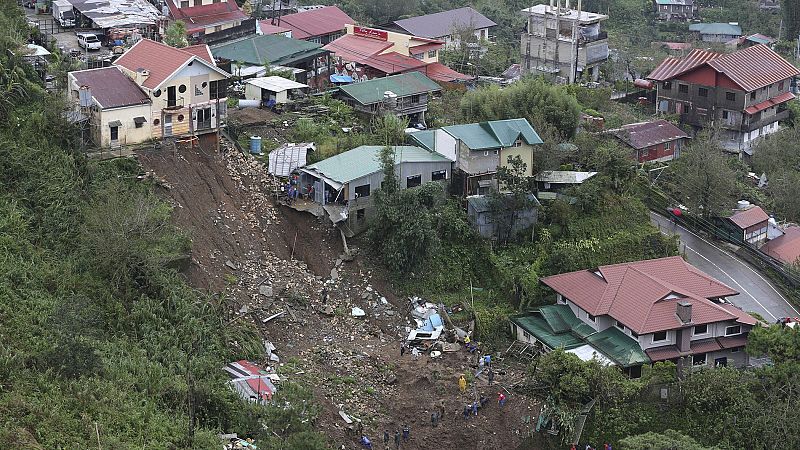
(432, 322)
(341, 79)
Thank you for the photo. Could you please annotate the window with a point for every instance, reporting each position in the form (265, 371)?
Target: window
(702, 92)
(362, 191)
(683, 88)
(413, 181)
(736, 349)
(156, 122)
(730, 96)
(432, 54)
(753, 95)
(724, 114)
(735, 329)
(185, 4)
(198, 2)
(659, 336)
(182, 88)
(218, 89)
(418, 55)
(667, 85)
(780, 86)
(700, 329)
(361, 214)
(619, 325)
(415, 98)
(634, 335)
(518, 143)
(439, 175)
(114, 133)
(157, 93)
(591, 317)
(699, 360)
(172, 97)
(486, 153)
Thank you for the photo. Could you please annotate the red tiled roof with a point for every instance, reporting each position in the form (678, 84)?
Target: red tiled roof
(750, 68)
(647, 134)
(317, 22)
(754, 67)
(200, 17)
(672, 67)
(749, 217)
(705, 346)
(111, 88)
(663, 353)
(740, 340)
(636, 293)
(785, 97)
(159, 59)
(439, 72)
(785, 248)
(201, 51)
(268, 28)
(696, 347)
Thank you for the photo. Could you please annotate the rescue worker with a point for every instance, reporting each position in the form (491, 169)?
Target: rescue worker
(462, 384)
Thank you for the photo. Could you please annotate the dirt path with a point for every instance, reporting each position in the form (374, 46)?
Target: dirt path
(269, 259)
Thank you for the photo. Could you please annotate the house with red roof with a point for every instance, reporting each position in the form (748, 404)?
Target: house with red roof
(745, 93)
(786, 247)
(640, 312)
(658, 140)
(204, 18)
(186, 89)
(321, 25)
(749, 224)
(366, 53)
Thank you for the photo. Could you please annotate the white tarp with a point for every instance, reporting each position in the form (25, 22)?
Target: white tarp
(288, 157)
(588, 353)
(118, 13)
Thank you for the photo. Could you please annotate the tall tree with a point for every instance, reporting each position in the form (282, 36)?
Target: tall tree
(704, 179)
(176, 35)
(791, 18)
(513, 198)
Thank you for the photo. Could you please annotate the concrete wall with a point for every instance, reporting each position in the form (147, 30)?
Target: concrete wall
(525, 151)
(401, 44)
(253, 92)
(445, 144)
(128, 133)
(477, 161)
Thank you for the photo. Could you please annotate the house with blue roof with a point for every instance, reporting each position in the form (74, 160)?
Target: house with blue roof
(478, 149)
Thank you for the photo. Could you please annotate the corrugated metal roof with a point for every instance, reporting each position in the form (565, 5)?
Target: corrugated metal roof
(716, 28)
(749, 217)
(276, 49)
(443, 23)
(785, 97)
(564, 176)
(424, 139)
(785, 248)
(672, 67)
(365, 160)
(636, 293)
(676, 2)
(275, 83)
(356, 48)
(754, 67)
(316, 22)
(619, 347)
(494, 134)
(118, 13)
(111, 88)
(198, 18)
(647, 134)
(538, 327)
(404, 84)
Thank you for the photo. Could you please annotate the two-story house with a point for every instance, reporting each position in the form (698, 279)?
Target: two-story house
(676, 10)
(187, 91)
(664, 308)
(404, 95)
(478, 149)
(448, 26)
(211, 20)
(743, 93)
(563, 42)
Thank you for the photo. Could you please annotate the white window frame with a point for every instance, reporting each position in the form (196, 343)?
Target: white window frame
(733, 334)
(653, 337)
(591, 317)
(694, 329)
(705, 359)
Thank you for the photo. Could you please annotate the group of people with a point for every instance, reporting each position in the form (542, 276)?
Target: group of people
(366, 443)
(294, 190)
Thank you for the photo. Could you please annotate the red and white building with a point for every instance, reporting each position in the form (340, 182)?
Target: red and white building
(658, 140)
(206, 17)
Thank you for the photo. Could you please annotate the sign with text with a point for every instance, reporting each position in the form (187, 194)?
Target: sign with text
(371, 33)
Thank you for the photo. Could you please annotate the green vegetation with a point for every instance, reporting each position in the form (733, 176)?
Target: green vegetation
(176, 35)
(101, 337)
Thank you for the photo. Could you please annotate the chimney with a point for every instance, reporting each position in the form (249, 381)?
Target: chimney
(684, 311)
(141, 75)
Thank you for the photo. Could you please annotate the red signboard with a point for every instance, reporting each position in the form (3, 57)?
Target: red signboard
(371, 33)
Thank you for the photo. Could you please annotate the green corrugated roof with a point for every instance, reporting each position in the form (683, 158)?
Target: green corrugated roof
(365, 160)
(539, 328)
(404, 84)
(424, 139)
(716, 28)
(275, 49)
(619, 347)
(494, 134)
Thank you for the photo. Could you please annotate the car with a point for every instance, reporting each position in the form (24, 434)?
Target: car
(89, 41)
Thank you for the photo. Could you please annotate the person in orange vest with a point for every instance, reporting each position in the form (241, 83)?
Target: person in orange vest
(462, 384)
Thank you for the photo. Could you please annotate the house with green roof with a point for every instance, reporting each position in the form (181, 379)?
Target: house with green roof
(404, 95)
(345, 183)
(716, 32)
(478, 149)
(247, 56)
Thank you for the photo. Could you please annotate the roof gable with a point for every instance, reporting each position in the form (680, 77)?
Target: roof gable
(365, 160)
(111, 88)
(161, 61)
(749, 217)
(494, 134)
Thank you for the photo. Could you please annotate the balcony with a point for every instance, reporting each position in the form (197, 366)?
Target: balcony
(780, 115)
(598, 37)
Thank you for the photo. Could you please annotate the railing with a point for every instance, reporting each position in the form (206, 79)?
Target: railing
(780, 115)
(599, 37)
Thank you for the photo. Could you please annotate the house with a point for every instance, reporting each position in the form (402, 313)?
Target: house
(188, 92)
(784, 248)
(344, 184)
(749, 224)
(288, 157)
(664, 308)
(743, 93)
(405, 95)
(321, 25)
(478, 149)
(117, 108)
(273, 90)
(676, 10)
(576, 52)
(266, 27)
(658, 140)
(485, 221)
(716, 32)
(247, 57)
(753, 39)
(366, 53)
(552, 182)
(447, 26)
(210, 21)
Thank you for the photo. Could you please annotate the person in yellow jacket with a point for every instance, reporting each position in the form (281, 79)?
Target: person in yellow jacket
(462, 384)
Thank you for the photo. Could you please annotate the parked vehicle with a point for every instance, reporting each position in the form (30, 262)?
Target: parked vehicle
(30, 4)
(63, 14)
(89, 41)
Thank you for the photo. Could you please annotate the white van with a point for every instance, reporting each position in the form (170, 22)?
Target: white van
(89, 41)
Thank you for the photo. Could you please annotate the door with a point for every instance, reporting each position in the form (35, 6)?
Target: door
(114, 134)
(172, 98)
(167, 125)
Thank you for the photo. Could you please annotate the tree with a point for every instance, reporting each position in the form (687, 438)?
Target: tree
(176, 35)
(668, 440)
(513, 197)
(791, 18)
(703, 178)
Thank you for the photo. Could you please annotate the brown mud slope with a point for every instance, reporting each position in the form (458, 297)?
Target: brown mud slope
(269, 259)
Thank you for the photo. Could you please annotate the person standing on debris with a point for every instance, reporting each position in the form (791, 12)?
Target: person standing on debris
(441, 409)
(406, 431)
(475, 408)
(396, 439)
(386, 439)
(325, 295)
(366, 442)
(501, 399)
(433, 419)
(466, 412)
(462, 384)
(402, 350)
(491, 376)
(487, 360)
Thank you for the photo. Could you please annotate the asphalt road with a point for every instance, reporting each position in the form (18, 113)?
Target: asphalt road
(757, 294)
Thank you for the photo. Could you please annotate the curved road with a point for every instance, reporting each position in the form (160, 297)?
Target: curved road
(756, 293)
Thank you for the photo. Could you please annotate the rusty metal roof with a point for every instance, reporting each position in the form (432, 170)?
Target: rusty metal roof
(111, 88)
(647, 134)
(749, 217)
(754, 67)
(785, 248)
(672, 67)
